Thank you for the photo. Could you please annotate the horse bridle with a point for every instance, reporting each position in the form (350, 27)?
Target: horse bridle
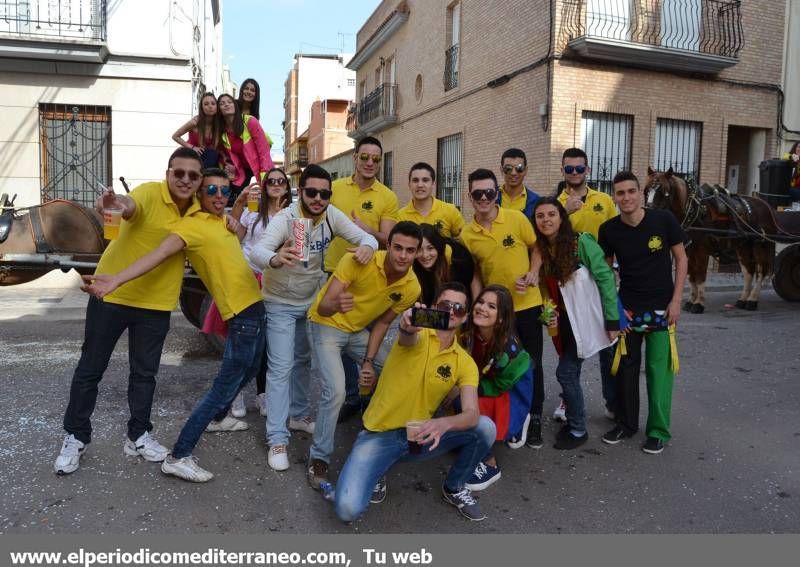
(693, 206)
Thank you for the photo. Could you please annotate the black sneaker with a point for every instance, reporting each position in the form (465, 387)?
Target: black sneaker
(348, 411)
(653, 446)
(465, 502)
(614, 436)
(566, 441)
(534, 440)
(379, 492)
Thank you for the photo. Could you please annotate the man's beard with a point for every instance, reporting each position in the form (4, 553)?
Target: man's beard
(308, 211)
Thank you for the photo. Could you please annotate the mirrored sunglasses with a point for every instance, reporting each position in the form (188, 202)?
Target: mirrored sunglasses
(376, 158)
(508, 168)
(457, 309)
(211, 190)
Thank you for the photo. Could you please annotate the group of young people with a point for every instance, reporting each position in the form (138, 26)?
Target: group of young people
(342, 316)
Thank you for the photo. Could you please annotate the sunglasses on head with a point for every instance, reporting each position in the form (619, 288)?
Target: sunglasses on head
(211, 190)
(570, 169)
(457, 309)
(479, 194)
(311, 193)
(276, 181)
(181, 173)
(509, 168)
(376, 158)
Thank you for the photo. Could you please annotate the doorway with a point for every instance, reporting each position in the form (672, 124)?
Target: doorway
(746, 149)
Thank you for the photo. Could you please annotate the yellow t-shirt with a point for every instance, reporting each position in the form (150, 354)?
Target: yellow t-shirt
(597, 209)
(518, 203)
(155, 217)
(446, 217)
(371, 295)
(217, 257)
(415, 380)
(503, 253)
(371, 206)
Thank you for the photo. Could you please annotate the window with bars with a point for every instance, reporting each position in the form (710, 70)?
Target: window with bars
(606, 139)
(448, 168)
(388, 166)
(678, 144)
(75, 142)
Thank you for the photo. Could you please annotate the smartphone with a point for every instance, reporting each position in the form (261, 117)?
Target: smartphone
(430, 318)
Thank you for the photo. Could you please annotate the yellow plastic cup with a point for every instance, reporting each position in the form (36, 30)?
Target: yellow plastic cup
(112, 218)
(253, 200)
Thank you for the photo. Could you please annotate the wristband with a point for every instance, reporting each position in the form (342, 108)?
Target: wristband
(367, 359)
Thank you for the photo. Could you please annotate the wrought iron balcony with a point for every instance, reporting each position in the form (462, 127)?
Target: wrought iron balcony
(67, 30)
(451, 68)
(375, 112)
(679, 35)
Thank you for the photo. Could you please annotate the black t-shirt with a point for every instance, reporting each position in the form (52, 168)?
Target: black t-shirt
(644, 258)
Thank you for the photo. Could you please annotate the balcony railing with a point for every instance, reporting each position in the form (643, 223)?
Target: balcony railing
(451, 68)
(48, 19)
(374, 112)
(689, 35)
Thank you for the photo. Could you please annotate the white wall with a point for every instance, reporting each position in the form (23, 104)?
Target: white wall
(321, 79)
(791, 73)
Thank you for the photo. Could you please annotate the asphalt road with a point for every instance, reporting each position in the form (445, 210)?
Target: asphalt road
(733, 465)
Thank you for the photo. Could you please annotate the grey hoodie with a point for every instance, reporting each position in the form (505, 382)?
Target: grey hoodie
(298, 284)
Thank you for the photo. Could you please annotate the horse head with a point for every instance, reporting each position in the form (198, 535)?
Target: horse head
(665, 190)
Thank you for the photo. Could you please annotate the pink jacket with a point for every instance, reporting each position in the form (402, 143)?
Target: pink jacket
(256, 145)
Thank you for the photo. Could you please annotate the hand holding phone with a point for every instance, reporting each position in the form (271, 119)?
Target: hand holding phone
(430, 318)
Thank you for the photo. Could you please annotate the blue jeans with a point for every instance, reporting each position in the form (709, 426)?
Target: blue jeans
(240, 363)
(568, 374)
(374, 453)
(288, 368)
(327, 346)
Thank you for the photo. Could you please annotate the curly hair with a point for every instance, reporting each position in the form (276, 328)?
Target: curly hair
(558, 258)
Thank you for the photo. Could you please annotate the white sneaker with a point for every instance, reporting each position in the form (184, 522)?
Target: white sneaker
(146, 447)
(186, 468)
(303, 424)
(227, 424)
(238, 409)
(560, 413)
(261, 401)
(518, 442)
(278, 459)
(69, 459)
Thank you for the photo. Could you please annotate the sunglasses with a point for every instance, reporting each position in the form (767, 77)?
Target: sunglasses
(479, 194)
(570, 169)
(181, 173)
(324, 194)
(510, 168)
(376, 158)
(211, 190)
(276, 181)
(457, 309)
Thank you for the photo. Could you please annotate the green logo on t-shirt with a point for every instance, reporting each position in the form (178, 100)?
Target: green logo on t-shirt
(439, 225)
(444, 372)
(508, 241)
(598, 208)
(396, 296)
(366, 205)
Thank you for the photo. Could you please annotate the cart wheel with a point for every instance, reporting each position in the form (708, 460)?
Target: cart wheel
(786, 280)
(216, 342)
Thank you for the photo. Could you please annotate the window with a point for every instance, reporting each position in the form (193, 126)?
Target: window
(678, 147)
(351, 82)
(606, 139)
(448, 169)
(75, 146)
(388, 167)
(451, 53)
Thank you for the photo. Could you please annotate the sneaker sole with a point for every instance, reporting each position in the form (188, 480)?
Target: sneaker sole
(176, 474)
(133, 452)
(521, 441)
(461, 510)
(485, 484)
(535, 445)
(65, 472)
(235, 429)
(612, 441)
(653, 452)
(376, 500)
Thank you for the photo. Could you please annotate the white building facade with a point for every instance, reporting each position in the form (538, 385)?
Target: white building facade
(92, 90)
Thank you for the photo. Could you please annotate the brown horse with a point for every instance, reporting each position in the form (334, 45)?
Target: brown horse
(718, 225)
(55, 227)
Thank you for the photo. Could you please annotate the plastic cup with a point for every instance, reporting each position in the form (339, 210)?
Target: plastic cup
(552, 331)
(253, 200)
(412, 431)
(112, 218)
(364, 390)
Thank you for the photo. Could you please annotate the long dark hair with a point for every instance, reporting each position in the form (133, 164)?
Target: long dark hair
(503, 331)
(558, 259)
(263, 207)
(431, 280)
(238, 121)
(205, 122)
(256, 101)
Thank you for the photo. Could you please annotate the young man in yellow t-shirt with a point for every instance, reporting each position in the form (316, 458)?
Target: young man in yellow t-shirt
(356, 296)
(513, 193)
(142, 308)
(502, 243)
(425, 208)
(421, 369)
(211, 241)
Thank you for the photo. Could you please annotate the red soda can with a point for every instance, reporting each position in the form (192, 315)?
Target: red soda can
(300, 234)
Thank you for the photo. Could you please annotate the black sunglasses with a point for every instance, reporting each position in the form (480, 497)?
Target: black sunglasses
(509, 168)
(324, 194)
(570, 169)
(458, 309)
(276, 181)
(479, 194)
(181, 173)
(211, 190)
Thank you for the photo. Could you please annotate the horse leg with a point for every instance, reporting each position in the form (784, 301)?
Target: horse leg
(745, 254)
(698, 267)
(763, 259)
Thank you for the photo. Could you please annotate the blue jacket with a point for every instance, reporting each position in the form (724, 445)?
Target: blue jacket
(530, 201)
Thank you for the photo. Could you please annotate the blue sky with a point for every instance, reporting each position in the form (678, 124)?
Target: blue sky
(261, 37)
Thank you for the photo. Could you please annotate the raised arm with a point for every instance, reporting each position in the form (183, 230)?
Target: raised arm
(336, 299)
(177, 137)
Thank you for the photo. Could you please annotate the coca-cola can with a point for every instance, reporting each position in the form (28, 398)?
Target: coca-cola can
(300, 235)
